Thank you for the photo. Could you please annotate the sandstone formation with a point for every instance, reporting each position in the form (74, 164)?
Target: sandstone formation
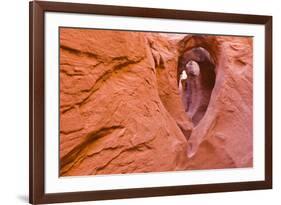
(121, 108)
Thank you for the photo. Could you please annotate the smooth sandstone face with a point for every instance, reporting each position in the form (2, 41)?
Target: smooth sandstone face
(192, 68)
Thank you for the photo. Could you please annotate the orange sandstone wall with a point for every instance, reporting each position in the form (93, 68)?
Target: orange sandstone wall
(121, 110)
(224, 136)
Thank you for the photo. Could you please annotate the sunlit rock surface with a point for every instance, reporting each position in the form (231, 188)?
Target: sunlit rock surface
(121, 109)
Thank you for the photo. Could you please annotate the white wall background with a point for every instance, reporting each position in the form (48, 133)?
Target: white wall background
(14, 100)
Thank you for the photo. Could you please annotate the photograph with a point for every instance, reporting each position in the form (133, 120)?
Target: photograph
(131, 102)
(142, 102)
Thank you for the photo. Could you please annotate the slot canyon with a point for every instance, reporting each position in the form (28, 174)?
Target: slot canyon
(138, 102)
(196, 83)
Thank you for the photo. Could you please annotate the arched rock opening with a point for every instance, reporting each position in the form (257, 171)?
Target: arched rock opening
(196, 72)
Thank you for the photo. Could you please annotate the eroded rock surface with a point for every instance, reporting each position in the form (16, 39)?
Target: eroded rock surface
(112, 117)
(121, 109)
(223, 137)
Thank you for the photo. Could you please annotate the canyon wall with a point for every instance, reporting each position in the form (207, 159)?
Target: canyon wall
(224, 136)
(121, 109)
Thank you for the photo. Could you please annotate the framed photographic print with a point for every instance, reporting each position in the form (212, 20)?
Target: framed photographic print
(139, 102)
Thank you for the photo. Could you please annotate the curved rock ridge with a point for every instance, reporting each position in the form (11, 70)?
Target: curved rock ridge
(121, 109)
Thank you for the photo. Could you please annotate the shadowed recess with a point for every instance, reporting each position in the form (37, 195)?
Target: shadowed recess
(196, 81)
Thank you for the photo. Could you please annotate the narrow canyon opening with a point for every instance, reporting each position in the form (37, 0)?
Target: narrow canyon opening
(196, 80)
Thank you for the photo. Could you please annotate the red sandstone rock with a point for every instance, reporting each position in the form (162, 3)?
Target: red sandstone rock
(223, 137)
(112, 117)
(121, 109)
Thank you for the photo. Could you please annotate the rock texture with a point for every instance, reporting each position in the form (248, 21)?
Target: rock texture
(223, 137)
(121, 109)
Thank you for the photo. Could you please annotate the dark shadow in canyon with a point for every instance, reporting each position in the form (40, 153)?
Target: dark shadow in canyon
(196, 80)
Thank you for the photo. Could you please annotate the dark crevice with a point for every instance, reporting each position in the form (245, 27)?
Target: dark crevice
(78, 52)
(196, 77)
